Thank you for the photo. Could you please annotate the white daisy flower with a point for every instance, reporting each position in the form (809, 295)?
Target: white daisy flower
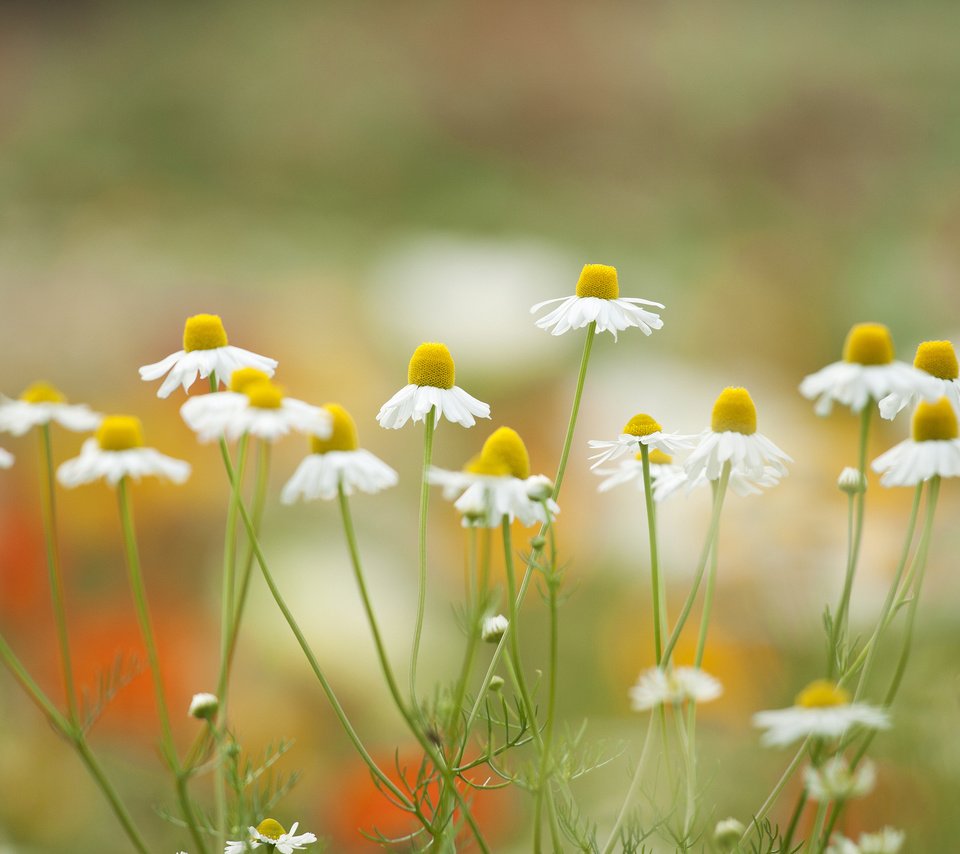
(493, 628)
(655, 687)
(733, 438)
(335, 460)
(640, 430)
(933, 449)
(6, 459)
(939, 360)
(851, 481)
(598, 299)
(430, 385)
(497, 483)
(203, 706)
(116, 452)
(256, 406)
(666, 476)
(41, 403)
(271, 832)
(866, 372)
(205, 351)
(887, 841)
(834, 781)
(821, 710)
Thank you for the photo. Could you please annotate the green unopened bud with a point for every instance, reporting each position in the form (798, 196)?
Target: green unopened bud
(537, 542)
(539, 488)
(496, 684)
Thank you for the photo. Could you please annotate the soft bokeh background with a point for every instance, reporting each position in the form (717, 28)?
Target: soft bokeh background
(343, 182)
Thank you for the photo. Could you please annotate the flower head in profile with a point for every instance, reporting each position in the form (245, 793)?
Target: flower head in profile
(939, 360)
(834, 780)
(598, 299)
(821, 710)
(203, 706)
(255, 406)
(642, 429)
(666, 476)
(866, 372)
(656, 687)
(270, 832)
(497, 484)
(886, 841)
(430, 385)
(205, 352)
(933, 450)
(40, 404)
(337, 460)
(117, 451)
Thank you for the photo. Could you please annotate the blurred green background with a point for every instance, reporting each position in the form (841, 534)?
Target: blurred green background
(341, 182)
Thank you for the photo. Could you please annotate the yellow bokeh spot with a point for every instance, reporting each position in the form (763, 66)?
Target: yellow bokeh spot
(734, 412)
(934, 422)
(937, 358)
(504, 451)
(120, 433)
(598, 280)
(204, 332)
(263, 394)
(344, 435)
(271, 828)
(431, 364)
(821, 694)
(868, 344)
(42, 392)
(242, 377)
(642, 425)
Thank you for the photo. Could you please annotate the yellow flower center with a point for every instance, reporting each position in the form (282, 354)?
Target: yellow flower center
(490, 467)
(642, 425)
(821, 694)
(344, 435)
(204, 332)
(505, 453)
(868, 344)
(120, 433)
(598, 280)
(242, 377)
(934, 422)
(42, 392)
(263, 394)
(271, 828)
(659, 458)
(734, 412)
(431, 364)
(937, 358)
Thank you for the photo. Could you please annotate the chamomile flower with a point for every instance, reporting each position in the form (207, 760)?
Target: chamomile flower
(640, 430)
(205, 352)
(337, 460)
(666, 476)
(821, 710)
(733, 438)
(496, 483)
(430, 385)
(253, 405)
(886, 841)
(866, 372)
(117, 451)
(598, 299)
(6, 459)
(939, 360)
(271, 832)
(40, 404)
(655, 687)
(835, 781)
(494, 628)
(204, 706)
(933, 449)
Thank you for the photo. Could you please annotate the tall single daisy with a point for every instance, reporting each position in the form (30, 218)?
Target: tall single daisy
(932, 450)
(270, 832)
(337, 460)
(598, 299)
(642, 429)
(430, 385)
(205, 351)
(40, 404)
(866, 372)
(939, 360)
(656, 687)
(117, 451)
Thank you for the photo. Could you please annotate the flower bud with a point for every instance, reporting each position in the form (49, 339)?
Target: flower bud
(204, 706)
(493, 628)
(851, 481)
(727, 834)
(496, 684)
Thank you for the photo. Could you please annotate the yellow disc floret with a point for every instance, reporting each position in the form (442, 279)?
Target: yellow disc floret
(431, 364)
(504, 451)
(734, 412)
(868, 344)
(598, 280)
(263, 394)
(659, 458)
(271, 829)
(204, 332)
(641, 425)
(937, 358)
(242, 377)
(344, 435)
(821, 694)
(42, 392)
(934, 422)
(120, 433)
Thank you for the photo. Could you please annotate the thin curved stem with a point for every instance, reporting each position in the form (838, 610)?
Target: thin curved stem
(631, 791)
(654, 553)
(429, 426)
(575, 410)
(777, 789)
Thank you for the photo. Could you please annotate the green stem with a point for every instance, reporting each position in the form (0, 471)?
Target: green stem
(631, 791)
(654, 554)
(707, 599)
(572, 423)
(795, 820)
(429, 425)
(777, 789)
(818, 825)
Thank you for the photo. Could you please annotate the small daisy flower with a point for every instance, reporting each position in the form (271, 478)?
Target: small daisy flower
(41, 403)
(733, 438)
(866, 372)
(933, 449)
(939, 360)
(821, 710)
(655, 687)
(430, 385)
(253, 405)
(851, 481)
(493, 628)
(640, 430)
(6, 459)
(666, 476)
(271, 832)
(335, 460)
(496, 483)
(117, 451)
(204, 706)
(887, 841)
(834, 781)
(598, 299)
(205, 351)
